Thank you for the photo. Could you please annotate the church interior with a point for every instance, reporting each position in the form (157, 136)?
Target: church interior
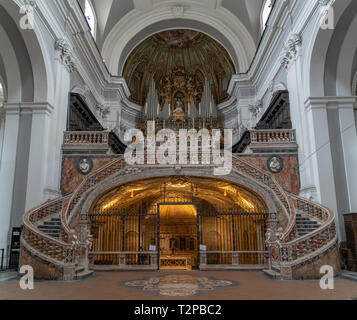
(276, 80)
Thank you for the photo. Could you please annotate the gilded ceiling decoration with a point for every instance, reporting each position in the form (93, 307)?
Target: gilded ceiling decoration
(193, 56)
(208, 192)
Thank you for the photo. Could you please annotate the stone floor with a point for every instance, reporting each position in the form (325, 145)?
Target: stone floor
(229, 285)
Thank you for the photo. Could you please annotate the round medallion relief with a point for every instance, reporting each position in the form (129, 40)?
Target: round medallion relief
(84, 165)
(275, 164)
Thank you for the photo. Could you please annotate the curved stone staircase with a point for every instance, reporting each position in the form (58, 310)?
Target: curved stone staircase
(293, 249)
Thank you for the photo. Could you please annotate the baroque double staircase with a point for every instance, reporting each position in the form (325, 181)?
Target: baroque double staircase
(52, 241)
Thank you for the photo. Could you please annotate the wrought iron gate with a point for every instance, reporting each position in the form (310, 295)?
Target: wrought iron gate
(129, 233)
(230, 237)
(233, 237)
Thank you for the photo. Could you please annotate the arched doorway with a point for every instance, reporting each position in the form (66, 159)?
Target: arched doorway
(183, 221)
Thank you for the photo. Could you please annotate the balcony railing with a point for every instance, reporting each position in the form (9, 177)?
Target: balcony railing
(275, 136)
(86, 137)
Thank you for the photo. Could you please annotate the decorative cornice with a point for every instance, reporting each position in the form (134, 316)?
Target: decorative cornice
(291, 50)
(65, 54)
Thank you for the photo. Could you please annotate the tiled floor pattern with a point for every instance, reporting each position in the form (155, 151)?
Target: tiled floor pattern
(218, 285)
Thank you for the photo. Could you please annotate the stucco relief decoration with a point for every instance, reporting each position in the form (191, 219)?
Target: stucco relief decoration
(84, 165)
(275, 164)
(291, 50)
(255, 109)
(65, 54)
(102, 110)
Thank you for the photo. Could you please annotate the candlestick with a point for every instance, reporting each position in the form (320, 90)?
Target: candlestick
(210, 108)
(189, 109)
(169, 109)
(158, 108)
(193, 123)
(146, 108)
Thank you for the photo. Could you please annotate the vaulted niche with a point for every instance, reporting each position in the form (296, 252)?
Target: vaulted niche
(173, 216)
(179, 64)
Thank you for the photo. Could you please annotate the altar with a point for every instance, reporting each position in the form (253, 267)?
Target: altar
(176, 262)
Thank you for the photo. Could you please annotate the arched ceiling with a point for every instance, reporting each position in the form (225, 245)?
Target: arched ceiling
(208, 192)
(197, 54)
(240, 17)
(110, 12)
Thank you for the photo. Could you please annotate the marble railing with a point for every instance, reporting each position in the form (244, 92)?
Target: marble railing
(85, 137)
(272, 136)
(34, 240)
(264, 178)
(88, 183)
(314, 243)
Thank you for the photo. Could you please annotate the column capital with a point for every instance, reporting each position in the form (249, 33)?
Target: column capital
(11, 108)
(28, 108)
(329, 102)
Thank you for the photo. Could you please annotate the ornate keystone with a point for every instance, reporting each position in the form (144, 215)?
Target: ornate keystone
(178, 11)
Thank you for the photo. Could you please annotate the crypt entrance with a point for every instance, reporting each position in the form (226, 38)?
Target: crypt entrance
(178, 223)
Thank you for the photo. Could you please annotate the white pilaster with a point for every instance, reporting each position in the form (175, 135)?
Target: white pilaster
(320, 159)
(38, 152)
(292, 62)
(349, 145)
(7, 169)
(58, 125)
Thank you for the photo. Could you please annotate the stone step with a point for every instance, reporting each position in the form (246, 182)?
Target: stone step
(306, 228)
(79, 269)
(50, 227)
(84, 274)
(52, 223)
(52, 234)
(272, 274)
(349, 275)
